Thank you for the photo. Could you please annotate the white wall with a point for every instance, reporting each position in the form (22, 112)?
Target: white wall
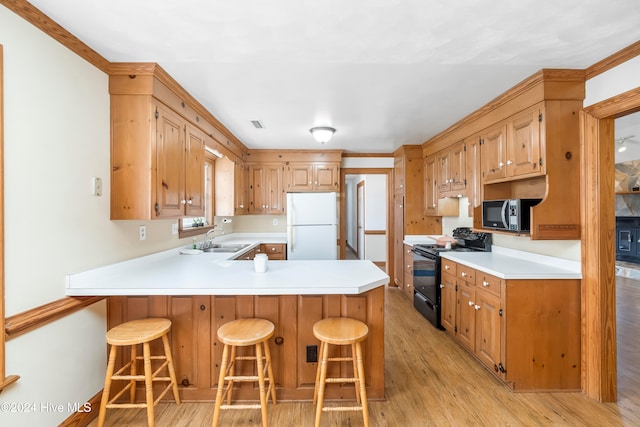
(56, 138)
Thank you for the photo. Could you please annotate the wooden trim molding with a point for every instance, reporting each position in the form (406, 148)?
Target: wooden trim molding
(613, 61)
(381, 232)
(41, 21)
(598, 245)
(4, 380)
(85, 413)
(37, 317)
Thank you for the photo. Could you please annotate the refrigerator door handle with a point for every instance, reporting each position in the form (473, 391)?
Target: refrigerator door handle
(291, 239)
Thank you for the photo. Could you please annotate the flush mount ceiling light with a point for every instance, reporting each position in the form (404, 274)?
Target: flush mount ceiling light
(322, 134)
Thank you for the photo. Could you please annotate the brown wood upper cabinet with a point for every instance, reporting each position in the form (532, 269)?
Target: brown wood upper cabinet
(451, 164)
(266, 188)
(313, 176)
(157, 161)
(513, 148)
(230, 187)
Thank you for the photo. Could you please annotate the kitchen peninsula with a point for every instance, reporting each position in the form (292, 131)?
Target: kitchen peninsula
(200, 292)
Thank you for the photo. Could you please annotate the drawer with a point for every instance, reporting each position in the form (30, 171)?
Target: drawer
(272, 248)
(489, 283)
(467, 274)
(448, 267)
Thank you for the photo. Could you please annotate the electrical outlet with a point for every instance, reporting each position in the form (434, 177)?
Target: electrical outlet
(275, 221)
(174, 229)
(312, 354)
(142, 232)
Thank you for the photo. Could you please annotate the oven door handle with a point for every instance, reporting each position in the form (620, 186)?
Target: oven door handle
(421, 297)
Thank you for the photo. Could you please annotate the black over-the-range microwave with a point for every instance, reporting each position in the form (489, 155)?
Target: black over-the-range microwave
(508, 215)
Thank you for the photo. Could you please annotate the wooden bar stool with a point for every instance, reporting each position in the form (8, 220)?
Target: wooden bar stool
(242, 333)
(341, 331)
(132, 333)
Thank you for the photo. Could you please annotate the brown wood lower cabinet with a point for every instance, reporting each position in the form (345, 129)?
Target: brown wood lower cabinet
(197, 352)
(527, 332)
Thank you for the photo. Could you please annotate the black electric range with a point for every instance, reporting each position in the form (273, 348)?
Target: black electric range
(426, 269)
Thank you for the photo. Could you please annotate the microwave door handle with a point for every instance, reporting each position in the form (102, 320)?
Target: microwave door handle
(505, 206)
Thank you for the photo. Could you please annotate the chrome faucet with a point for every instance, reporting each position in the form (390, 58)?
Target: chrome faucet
(207, 240)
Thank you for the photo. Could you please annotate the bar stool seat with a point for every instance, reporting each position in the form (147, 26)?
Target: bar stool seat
(243, 333)
(341, 331)
(132, 333)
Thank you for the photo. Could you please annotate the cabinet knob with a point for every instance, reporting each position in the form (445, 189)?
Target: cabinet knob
(441, 286)
(434, 205)
(509, 162)
(190, 202)
(463, 274)
(446, 267)
(501, 164)
(485, 283)
(471, 303)
(185, 382)
(279, 340)
(273, 249)
(241, 206)
(183, 202)
(477, 307)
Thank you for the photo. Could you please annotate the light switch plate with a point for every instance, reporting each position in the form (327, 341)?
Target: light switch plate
(96, 186)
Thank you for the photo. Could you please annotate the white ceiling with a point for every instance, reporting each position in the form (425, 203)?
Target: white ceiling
(382, 72)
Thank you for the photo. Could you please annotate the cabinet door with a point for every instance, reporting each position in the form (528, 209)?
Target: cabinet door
(488, 331)
(194, 171)
(472, 163)
(300, 177)
(170, 198)
(325, 177)
(274, 189)
(398, 174)
(466, 315)
(457, 169)
(448, 302)
(523, 153)
(443, 173)
(493, 154)
(257, 192)
(408, 271)
(430, 186)
(240, 188)
(398, 237)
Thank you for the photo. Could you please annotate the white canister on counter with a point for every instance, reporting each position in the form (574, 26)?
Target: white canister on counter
(260, 263)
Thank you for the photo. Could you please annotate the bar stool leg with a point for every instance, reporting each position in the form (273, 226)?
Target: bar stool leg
(172, 372)
(263, 394)
(107, 386)
(321, 381)
(272, 386)
(315, 389)
(148, 383)
(223, 369)
(232, 372)
(355, 371)
(363, 387)
(133, 371)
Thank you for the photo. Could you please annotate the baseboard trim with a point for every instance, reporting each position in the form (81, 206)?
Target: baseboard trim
(85, 414)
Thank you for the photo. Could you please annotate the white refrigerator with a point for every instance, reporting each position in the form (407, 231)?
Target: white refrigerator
(312, 229)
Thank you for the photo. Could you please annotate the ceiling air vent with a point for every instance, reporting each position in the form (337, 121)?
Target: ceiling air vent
(257, 124)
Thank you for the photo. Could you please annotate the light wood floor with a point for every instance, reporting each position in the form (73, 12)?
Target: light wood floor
(432, 381)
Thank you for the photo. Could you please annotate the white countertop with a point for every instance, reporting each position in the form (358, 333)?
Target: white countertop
(513, 264)
(171, 273)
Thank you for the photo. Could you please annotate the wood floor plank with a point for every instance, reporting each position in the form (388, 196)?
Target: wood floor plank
(433, 381)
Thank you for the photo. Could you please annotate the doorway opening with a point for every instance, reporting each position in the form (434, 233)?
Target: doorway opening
(365, 217)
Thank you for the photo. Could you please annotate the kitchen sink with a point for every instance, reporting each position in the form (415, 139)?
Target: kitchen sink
(229, 248)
